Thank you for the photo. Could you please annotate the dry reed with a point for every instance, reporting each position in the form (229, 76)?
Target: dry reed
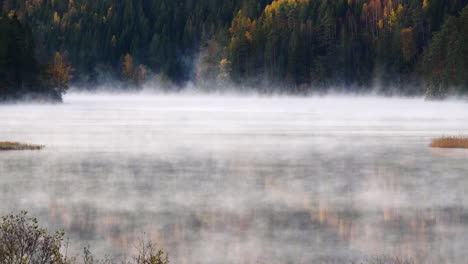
(18, 146)
(450, 142)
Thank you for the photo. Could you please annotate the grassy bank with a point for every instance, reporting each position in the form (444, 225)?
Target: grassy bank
(450, 142)
(18, 146)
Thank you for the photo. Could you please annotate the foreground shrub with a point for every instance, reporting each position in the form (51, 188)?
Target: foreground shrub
(22, 241)
(450, 142)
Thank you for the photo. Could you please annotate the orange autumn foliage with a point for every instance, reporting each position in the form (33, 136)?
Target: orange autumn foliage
(60, 71)
(450, 142)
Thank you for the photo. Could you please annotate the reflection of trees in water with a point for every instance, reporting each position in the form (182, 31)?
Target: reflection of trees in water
(247, 209)
(408, 233)
(393, 228)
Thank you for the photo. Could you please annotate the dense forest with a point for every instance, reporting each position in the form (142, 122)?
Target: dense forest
(22, 77)
(393, 46)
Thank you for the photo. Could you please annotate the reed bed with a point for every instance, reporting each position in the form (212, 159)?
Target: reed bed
(450, 142)
(18, 146)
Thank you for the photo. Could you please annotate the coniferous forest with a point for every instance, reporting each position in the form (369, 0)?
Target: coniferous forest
(410, 47)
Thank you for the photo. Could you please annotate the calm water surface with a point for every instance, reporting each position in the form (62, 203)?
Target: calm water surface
(217, 179)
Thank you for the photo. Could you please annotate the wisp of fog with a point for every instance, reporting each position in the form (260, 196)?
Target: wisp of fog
(244, 179)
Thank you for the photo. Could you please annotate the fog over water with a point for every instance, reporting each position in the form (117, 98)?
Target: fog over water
(232, 179)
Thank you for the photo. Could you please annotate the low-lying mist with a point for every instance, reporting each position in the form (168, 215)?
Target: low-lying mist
(157, 85)
(243, 178)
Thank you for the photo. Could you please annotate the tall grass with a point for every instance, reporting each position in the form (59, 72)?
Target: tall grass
(18, 146)
(450, 142)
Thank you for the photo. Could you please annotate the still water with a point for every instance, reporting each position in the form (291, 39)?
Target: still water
(218, 179)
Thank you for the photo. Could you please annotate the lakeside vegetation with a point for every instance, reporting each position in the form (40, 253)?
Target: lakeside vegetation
(414, 47)
(23, 240)
(4, 146)
(450, 142)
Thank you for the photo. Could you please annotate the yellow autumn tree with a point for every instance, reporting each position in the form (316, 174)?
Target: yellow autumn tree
(132, 73)
(56, 18)
(248, 36)
(59, 72)
(127, 67)
(225, 67)
(11, 14)
(393, 17)
(275, 6)
(425, 4)
(400, 9)
(408, 43)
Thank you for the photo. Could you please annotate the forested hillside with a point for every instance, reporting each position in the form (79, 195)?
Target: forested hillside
(404, 46)
(21, 75)
(377, 43)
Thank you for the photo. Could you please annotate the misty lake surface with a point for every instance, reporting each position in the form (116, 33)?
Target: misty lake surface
(232, 179)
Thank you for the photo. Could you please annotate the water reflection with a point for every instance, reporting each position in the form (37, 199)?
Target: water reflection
(237, 191)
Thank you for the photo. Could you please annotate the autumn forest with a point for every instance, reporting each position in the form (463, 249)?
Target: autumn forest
(409, 47)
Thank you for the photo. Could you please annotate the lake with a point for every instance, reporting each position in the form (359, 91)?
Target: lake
(243, 179)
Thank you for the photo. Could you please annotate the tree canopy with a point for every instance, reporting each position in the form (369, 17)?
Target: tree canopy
(404, 46)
